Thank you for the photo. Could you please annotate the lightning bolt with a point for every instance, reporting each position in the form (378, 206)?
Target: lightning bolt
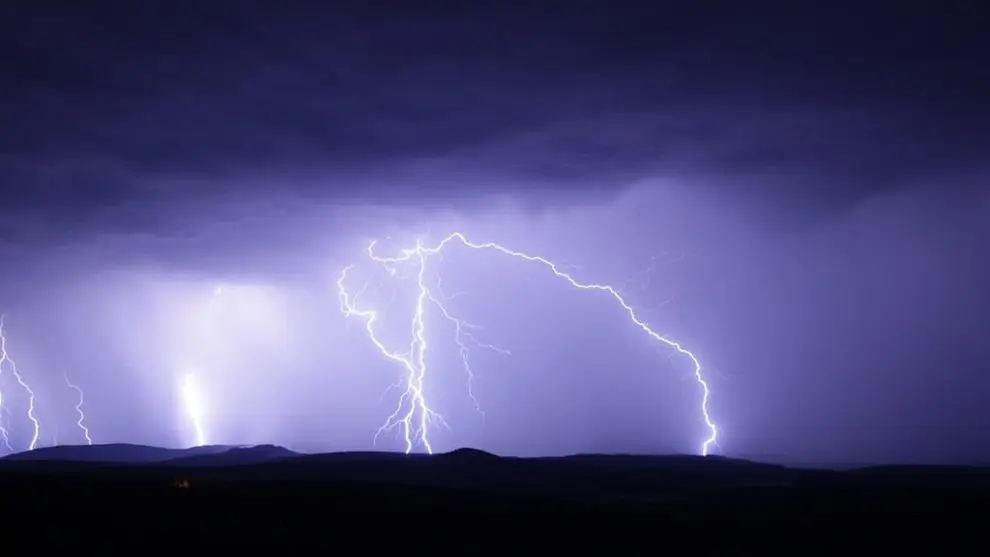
(81, 422)
(413, 413)
(193, 402)
(190, 391)
(12, 368)
(463, 337)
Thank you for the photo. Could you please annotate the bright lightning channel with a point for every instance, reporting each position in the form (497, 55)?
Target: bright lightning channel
(11, 368)
(81, 422)
(413, 414)
(193, 401)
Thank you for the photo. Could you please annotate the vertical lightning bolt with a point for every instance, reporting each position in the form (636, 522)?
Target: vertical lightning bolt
(193, 402)
(12, 367)
(81, 422)
(190, 391)
(415, 420)
(412, 412)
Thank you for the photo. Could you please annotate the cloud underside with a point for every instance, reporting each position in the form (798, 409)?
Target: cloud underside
(127, 119)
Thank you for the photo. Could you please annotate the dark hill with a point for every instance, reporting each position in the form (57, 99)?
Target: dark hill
(122, 453)
(266, 489)
(233, 456)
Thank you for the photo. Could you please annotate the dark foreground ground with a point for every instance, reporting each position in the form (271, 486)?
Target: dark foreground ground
(239, 495)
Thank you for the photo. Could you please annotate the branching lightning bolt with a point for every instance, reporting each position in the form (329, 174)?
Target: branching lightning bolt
(463, 336)
(11, 367)
(413, 413)
(81, 422)
(419, 415)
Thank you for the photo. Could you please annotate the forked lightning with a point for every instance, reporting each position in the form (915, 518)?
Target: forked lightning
(413, 413)
(81, 422)
(9, 367)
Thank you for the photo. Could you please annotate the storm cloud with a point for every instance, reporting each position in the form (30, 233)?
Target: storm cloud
(809, 183)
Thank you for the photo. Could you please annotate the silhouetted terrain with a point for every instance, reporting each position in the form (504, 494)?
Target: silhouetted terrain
(121, 453)
(240, 486)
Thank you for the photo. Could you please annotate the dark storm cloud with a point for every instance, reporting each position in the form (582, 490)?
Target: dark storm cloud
(112, 115)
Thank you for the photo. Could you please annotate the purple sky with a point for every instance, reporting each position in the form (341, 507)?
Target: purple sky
(806, 189)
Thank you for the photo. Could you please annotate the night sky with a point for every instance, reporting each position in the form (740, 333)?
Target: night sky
(798, 197)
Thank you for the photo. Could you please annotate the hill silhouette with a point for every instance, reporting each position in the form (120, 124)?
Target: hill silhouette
(274, 487)
(121, 453)
(601, 475)
(233, 456)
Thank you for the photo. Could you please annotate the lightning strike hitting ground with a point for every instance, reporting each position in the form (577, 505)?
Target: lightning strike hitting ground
(191, 393)
(81, 422)
(11, 368)
(192, 400)
(413, 414)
